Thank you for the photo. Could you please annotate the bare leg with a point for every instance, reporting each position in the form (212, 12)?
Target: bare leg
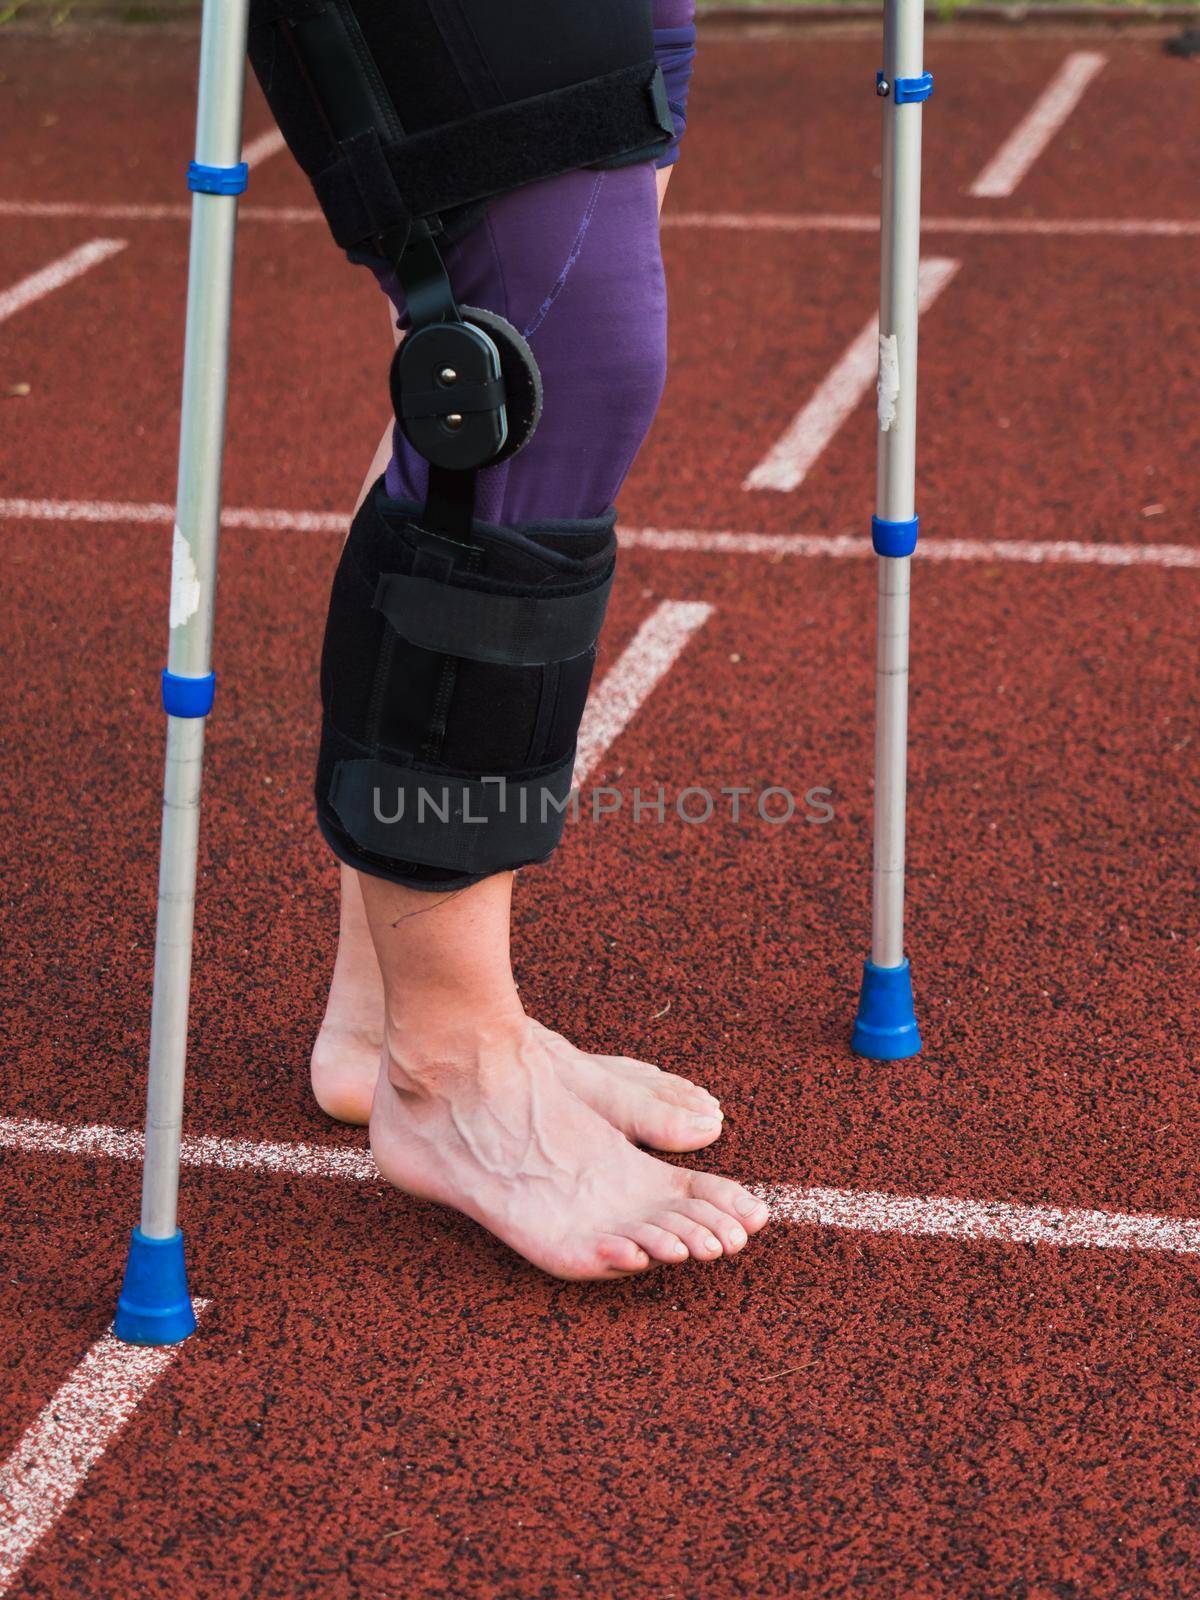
(646, 1104)
(346, 1053)
(472, 1110)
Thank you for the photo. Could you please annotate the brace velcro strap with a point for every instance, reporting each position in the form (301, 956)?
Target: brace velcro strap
(460, 824)
(464, 397)
(202, 179)
(512, 630)
(492, 152)
(894, 538)
(359, 194)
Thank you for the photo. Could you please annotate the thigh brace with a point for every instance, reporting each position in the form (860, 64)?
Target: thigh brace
(453, 681)
(406, 114)
(407, 110)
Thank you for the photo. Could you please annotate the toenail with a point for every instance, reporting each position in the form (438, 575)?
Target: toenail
(747, 1206)
(707, 1123)
(738, 1236)
(712, 1245)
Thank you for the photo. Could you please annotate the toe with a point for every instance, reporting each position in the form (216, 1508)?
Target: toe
(669, 1086)
(727, 1229)
(663, 1126)
(660, 1243)
(702, 1243)
(731, 1198)
(622, 1254)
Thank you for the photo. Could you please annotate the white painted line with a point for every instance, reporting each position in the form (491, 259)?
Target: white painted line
(843, 390)
(48, 1138)
(1038, 126)
(56, 275)
(53, 1457)
(263, 148)
(849, 222)
(171, 211)
(716, 221)
(977, 1220)
(159, 512)
(1034, 552)
(629, 682)
(859, 1210)
(682, 541)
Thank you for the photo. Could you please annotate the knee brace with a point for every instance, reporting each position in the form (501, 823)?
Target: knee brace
(455, 651)
(453, 679)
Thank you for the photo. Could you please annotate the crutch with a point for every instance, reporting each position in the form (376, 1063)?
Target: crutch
(154, 1305)
(886, 1025)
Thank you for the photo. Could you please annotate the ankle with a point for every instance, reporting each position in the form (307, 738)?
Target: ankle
(426, 1048)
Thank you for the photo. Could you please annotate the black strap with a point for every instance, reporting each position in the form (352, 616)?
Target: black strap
(512, 630)
(494, 151)
(469, 825)
(449, 502)
(464, 397)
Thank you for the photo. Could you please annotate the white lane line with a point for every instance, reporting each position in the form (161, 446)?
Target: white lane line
(976, 1220)
(159, 512)
(1038, 126)
(167, 211)
(49, 1138)
(850, 222)
(856, 1209)
(684, 541)
(841, 392)
(629, 682)
(718, 221)
(53, 1457)
(263, 148)
(73, 265)
(1034, 552)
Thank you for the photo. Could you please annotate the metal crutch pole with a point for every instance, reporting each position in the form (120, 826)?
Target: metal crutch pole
(886, 1026)
(154, 1306)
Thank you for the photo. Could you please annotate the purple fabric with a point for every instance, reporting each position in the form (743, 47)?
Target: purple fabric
(574, 262)
(675, 51)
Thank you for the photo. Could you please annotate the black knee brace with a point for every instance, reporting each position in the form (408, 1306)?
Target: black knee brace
(453, 680)
(457, 655)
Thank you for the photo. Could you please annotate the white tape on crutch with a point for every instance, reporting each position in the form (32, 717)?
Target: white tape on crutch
(889, 380)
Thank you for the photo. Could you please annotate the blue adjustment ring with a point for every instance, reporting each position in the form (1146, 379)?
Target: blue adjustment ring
(908, 92)
(894, 538)
(217, 180)
(187, 697)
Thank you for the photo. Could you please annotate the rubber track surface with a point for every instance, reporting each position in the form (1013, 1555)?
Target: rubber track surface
(383, 1402)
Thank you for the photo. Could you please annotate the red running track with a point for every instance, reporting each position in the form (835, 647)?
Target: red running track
(382, 1401)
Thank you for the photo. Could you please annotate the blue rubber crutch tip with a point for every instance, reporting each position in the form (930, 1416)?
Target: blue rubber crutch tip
(886, 1026)
(155, 1307)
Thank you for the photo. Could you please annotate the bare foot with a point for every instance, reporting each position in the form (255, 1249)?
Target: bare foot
(343, 1068)
(493, 1130)
(648, 1105)
(345, 1058)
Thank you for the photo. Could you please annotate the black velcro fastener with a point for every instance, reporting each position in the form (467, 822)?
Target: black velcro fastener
(359, 193)
(495, 151)
(468, 825)
(512, 630)
(464, 397)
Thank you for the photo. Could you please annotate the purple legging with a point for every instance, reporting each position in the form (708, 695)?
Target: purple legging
(574, 263)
